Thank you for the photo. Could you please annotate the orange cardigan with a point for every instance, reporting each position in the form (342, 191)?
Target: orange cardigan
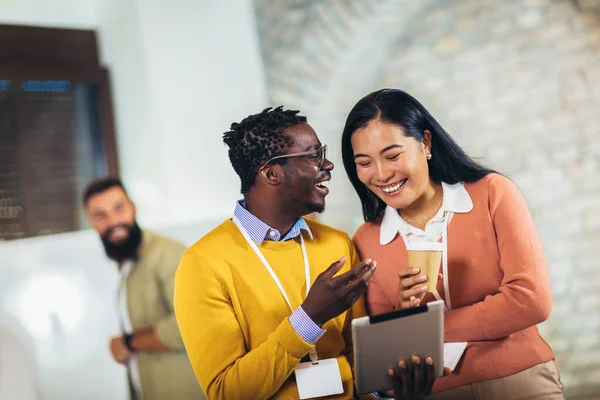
(498, 281)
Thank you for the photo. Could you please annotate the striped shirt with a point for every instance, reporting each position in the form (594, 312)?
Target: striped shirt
(259, 232)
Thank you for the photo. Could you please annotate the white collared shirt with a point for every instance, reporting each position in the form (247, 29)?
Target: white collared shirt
(456, 200)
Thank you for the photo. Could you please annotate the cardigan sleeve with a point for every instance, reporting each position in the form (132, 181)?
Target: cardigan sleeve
(215, 342)
(524, 296)
(358, 310)
(376, 300)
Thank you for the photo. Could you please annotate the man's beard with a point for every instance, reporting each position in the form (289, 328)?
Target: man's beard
(314, 207)
(127, 249)
(293, 201)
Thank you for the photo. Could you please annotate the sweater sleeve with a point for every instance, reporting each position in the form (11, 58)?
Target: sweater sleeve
(358, 310)
(377, 301)
(524, 296)
(215, 342)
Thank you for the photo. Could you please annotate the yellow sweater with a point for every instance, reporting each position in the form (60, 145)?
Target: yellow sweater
(234, 320)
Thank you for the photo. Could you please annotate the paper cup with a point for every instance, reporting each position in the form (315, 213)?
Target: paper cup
(428, 261)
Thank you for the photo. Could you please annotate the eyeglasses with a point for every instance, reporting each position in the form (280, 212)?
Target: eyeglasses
(319, 155)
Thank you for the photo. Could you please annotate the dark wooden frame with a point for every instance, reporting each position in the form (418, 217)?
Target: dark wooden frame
(105, 112)
(28, 53)
(34, 53)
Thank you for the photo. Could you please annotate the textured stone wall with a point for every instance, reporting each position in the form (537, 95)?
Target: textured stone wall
(516, 82)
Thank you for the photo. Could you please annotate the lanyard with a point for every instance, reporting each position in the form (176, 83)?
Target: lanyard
(236, 221)
(443, 247)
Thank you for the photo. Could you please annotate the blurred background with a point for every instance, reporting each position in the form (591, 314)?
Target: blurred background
(144, 89)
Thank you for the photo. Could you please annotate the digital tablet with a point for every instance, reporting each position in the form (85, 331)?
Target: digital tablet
(382, 340)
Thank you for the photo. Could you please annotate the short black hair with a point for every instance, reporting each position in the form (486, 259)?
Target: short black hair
(258, 138)
(449, 164)
(99, 185)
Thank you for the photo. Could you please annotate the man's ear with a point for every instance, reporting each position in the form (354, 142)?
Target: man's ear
(270, 174)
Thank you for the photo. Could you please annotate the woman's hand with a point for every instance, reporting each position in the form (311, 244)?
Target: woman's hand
(411, 287)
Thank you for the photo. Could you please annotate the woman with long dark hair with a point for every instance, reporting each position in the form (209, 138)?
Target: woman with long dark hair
(420, 192)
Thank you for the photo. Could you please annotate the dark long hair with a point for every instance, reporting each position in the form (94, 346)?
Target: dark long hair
(449, 163)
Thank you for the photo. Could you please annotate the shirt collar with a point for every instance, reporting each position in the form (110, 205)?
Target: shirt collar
(456, 200)
(259, 231)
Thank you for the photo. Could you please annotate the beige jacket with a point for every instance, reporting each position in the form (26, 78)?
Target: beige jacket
(164, 375)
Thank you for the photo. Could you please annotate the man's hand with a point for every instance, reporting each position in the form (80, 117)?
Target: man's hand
(329, 297)
(414, 383)
(118, 350)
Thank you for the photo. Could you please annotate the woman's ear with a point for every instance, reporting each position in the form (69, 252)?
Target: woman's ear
(427, 141)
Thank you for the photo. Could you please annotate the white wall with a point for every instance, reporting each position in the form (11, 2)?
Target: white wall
(18, 378)
(181, 72)
(55, 13)
(57, 313)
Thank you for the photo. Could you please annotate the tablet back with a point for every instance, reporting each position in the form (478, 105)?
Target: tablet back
(381, 341)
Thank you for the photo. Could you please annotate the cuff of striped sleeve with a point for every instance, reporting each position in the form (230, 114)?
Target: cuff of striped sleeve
(305, 326)
(377, 396)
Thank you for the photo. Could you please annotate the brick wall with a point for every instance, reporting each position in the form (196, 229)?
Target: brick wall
(517, 83)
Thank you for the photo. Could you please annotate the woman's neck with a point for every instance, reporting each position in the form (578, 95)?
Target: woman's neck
(425, 207)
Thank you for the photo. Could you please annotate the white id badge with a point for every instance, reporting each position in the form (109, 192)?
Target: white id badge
(322, 379)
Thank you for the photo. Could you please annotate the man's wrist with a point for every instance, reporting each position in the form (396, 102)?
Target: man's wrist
(307, 311)
(305, 326)
(128, 340)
